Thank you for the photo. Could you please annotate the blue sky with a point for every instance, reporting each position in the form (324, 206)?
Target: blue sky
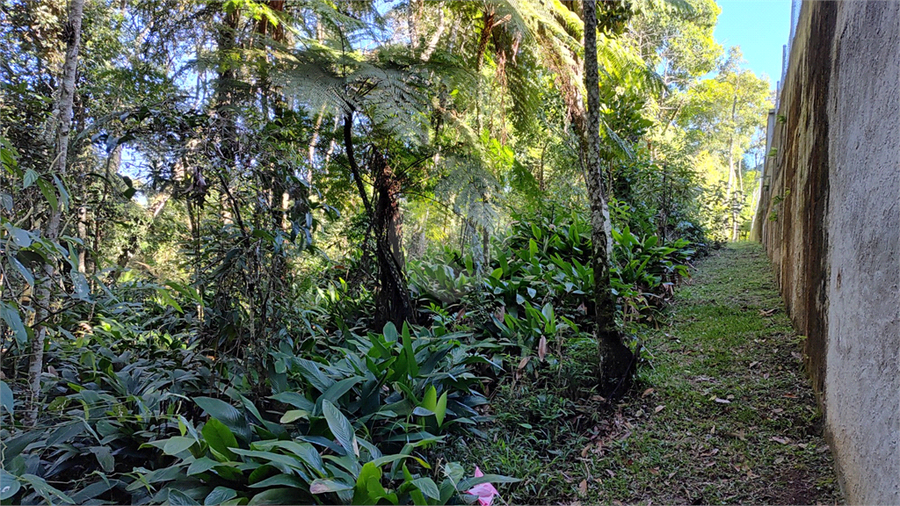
(760, 28)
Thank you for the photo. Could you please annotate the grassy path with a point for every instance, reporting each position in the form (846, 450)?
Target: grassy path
(722, 414)
(725, 415)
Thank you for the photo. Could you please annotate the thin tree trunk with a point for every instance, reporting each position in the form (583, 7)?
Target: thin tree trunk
(616, 358)
(133, 247)
(82, 234)
(731, 175)
(736, 205)
(66, 102)
(432, 44)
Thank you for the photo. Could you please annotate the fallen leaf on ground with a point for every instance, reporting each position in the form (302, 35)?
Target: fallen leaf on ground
(782, 440)
(768, 312)
(582, 487)
(658, 408)
(738, 434)
(647, 392)
(722, 401)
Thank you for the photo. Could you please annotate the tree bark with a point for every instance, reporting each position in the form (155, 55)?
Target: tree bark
(44, 296)
(392, 301)
(616, 358)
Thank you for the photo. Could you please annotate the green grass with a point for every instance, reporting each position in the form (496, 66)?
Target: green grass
(721, 413)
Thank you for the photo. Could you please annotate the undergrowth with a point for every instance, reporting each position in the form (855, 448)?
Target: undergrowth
(720, 413)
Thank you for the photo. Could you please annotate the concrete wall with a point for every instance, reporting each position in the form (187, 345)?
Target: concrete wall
(830, 220)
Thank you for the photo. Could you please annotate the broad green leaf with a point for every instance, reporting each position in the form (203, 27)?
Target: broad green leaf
(310, 370)
(296, 400)
(201, 465)
(63, 193)
(21, 237)
(390, 332)
(368, 489)
(179, 498)
(91, 491)
(29, 178)
(455, 472)
(341, 428)
(284, 463)
(281, 479)
(24, 271)
(429, 401)
(440, 410)
(412, 366)
(421, 411)
(335, 391)
(428, 487)
(219, 495)
(304, 451)
(293, 415)
(177, 444)
(9, 485)
(227, 414)
(322, 486)
(468, 483)
(104, 458)
(7, 402)
(49, 193)
(47, 491)
(220, 438)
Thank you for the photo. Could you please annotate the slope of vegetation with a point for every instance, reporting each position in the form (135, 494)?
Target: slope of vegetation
(263, 252)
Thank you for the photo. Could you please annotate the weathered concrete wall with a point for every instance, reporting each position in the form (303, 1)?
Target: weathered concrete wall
(830, 216)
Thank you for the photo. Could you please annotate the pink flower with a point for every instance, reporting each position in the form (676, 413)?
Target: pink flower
(484, 491)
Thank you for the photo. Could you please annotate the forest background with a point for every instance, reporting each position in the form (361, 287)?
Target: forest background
(276, 251)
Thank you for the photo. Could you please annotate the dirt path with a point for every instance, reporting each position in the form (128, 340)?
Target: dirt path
(726, 414)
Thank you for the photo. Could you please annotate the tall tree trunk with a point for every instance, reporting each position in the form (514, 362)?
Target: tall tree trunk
(732, 179)
(616, 358)
(737, 204)
(392, 301)
(44, 296)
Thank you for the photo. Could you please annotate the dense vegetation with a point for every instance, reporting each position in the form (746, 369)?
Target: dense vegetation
(303, 252)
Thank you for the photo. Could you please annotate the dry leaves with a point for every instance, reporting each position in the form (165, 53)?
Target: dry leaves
(542, 348)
